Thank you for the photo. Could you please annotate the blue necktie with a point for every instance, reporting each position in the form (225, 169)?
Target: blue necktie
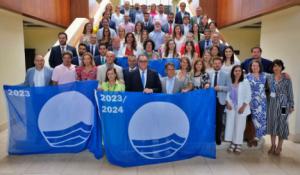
(143, 78)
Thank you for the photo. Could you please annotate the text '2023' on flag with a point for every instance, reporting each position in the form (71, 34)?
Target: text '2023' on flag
(54, 119)
(141, 129)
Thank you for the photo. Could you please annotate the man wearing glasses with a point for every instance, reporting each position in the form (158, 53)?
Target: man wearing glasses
(143, 79)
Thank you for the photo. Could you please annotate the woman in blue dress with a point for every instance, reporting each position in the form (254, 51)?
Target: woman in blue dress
(258, 105)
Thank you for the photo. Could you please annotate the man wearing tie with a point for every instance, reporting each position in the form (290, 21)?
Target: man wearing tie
(93, 46)
(221, 83)
(171, 84)
(143, 79)
(148, 25)
(132, 66)
(206, 43)
(55, 57)
(168, 28)
(100, 59)
(197, 19)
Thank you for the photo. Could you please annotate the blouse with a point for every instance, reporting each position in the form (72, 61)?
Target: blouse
(199, 81)
(83, 74)
(118, 87)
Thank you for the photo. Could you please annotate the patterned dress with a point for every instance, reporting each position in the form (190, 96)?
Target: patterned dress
(199, 81)
(281, 101)
(258, 104)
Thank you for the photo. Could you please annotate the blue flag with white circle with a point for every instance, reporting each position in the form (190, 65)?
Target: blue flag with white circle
(141, 129)
(53, 119)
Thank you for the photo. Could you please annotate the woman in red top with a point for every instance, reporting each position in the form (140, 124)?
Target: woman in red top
(88, 70)
(130, 45)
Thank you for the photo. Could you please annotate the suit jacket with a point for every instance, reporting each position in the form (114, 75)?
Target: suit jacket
(96, 50)
(111, 24)
(97, 60)
(29, 79)
(182, 28)
(165, 28)
(178, 85)
(178, 17)
(101, 73)
(224, 82)
(202, 45)
(135, 83)
(131, 14)
(194, 20)
(149, 27)
(75, 61)
(55, 57)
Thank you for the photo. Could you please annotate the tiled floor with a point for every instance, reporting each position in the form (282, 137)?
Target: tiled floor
(256, 162)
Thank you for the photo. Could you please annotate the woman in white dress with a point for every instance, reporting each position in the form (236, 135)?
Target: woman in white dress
(228, 59)
(178, 37)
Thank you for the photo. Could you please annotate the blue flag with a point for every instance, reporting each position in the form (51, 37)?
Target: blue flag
(141, 129)
(157, 65)
(53, 119)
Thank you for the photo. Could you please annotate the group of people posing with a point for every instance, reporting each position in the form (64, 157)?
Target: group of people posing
(257, 88)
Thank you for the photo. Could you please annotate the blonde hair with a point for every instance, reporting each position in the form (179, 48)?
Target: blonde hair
(91, 57)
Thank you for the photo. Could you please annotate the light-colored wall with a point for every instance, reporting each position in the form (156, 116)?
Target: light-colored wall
(242, 39)
(12, 57)
(40, 38)
(280, 39)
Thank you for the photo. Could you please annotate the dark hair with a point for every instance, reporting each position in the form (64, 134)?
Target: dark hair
(142, 26)
(67, 53)
(167, 50)
(232, 73)
(82, 44)
(174, 33)
(188, 62)
(169, 64)
(109, 69)
(134, 41)
(149, 41)
(170, 13)
(193, 48)
(232, 56)
(203, 66)
(198, 32)
(210, 49)
(279, 63)
(256, 47)
(85, 26)
(260, 66)
(102, 44)
(217, 58)
(212, 22)
(62, 33)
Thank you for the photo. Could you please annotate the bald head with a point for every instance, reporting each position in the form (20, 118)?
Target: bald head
(110, 57)
(39, 62)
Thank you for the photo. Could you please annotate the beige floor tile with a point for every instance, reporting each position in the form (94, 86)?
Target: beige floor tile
(161, 169)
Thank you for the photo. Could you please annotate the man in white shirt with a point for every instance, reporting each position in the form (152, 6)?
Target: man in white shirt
(161, 16)
(39, 75)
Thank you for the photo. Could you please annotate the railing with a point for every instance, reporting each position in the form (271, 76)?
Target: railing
(74, 31)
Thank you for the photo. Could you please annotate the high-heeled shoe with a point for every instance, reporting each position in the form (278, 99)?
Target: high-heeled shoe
(278, 151)
(272, 149)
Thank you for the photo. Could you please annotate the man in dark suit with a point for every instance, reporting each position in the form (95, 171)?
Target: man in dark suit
(78, 59)
(206, 43)
(93, 46)
(169, 27)
(256, 55)
(143, 79)
(55, 57)
(148, 25)
(179, 15)
(132, 66)
(101, 59)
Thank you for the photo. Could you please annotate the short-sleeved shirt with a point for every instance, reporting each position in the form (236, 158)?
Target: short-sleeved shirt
(62, 74)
